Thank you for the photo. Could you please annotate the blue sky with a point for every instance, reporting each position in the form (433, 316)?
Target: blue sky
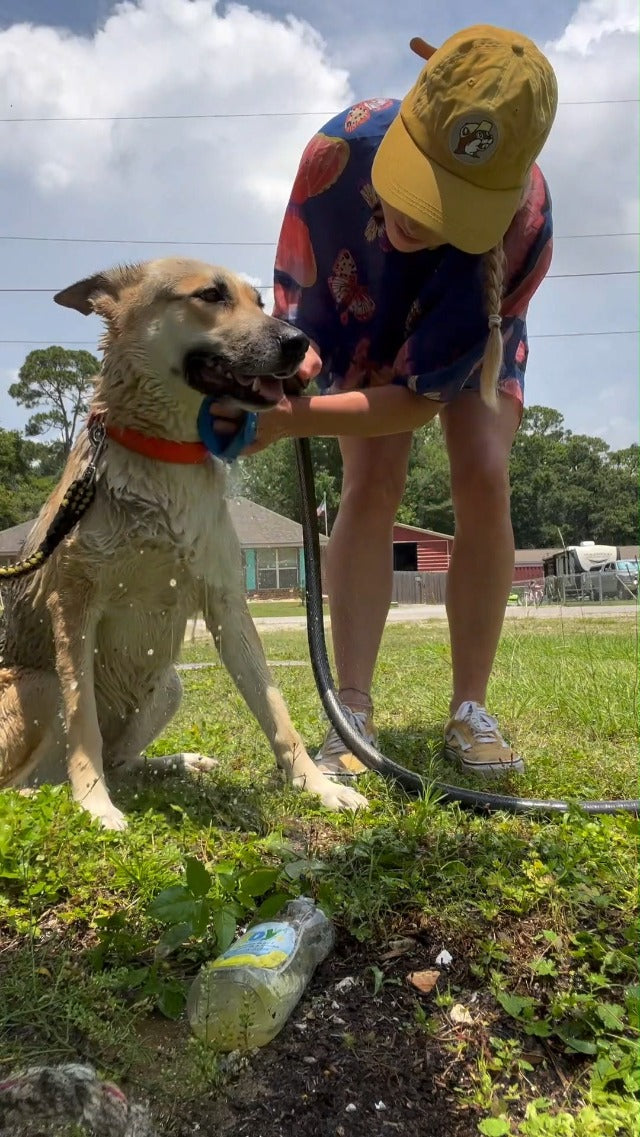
(214, 180)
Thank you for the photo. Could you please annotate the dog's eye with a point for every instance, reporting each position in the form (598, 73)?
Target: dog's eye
(211, 295)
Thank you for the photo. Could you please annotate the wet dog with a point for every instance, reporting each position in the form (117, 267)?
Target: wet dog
(91, 638)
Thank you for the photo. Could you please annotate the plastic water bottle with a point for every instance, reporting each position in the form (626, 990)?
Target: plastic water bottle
(245, 996)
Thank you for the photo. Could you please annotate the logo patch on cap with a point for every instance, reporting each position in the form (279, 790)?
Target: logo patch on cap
(473, 139)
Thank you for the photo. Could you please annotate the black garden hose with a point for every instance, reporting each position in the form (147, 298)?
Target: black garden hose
(368, 754)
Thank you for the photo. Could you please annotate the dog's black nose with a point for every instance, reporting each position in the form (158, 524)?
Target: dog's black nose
(293, 346)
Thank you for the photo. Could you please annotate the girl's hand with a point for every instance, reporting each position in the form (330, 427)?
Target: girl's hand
(311, 365)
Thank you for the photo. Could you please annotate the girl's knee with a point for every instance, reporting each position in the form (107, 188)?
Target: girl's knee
(481, 494)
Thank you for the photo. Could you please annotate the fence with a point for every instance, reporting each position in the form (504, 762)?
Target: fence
(591, 587)
(580, 588)
(419, 587)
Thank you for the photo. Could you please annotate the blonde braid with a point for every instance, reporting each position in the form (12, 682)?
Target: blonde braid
(494, 266)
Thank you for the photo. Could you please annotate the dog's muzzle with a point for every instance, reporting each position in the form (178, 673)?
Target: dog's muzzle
(212, 376)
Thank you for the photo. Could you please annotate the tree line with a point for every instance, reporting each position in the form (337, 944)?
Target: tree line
(562, 483)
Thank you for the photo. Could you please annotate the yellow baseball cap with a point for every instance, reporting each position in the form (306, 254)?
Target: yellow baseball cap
(457, 157)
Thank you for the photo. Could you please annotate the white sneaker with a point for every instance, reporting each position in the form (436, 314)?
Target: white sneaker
(472, 740)
(334, 757)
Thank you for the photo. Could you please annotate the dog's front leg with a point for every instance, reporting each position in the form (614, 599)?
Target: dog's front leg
(74, 620)
(228, 619)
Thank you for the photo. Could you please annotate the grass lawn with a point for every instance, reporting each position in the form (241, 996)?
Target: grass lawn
(531, 1030)
(278, 608)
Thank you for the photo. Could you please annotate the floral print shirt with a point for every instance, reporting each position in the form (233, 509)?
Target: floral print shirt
(381, 316)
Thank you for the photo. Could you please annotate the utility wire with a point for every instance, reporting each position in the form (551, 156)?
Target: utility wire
(248, 244)
(249, 114)
(538, 336)
(551, 276)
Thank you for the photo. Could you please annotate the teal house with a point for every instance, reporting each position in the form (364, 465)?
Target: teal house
(272, 549)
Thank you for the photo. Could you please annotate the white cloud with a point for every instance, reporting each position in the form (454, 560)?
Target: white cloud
(590, 162)
(594, 20)
(156, 57)
(171, 181)
(591, 156)
(229, 179)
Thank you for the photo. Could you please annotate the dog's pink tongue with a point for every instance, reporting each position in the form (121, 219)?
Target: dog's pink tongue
(271, 389)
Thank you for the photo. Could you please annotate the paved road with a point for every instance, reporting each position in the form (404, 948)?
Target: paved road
(422, 613)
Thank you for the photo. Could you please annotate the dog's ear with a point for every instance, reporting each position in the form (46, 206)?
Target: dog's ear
(84, 294)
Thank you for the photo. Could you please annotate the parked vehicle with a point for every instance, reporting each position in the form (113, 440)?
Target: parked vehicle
(627, 574)
(590, 572)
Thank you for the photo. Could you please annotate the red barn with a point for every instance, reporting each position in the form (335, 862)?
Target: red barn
(420, 550)
(426, 550)
(528, 564)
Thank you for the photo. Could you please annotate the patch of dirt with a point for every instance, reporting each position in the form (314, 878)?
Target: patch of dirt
(349, 1063)
(365, 1054)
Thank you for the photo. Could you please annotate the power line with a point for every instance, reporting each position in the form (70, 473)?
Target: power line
(247, 244)
(535, 336)
(173, 117)
(250, 114)
(595, 102)
(551, 276)
(581, 236)
(574, 335)
(125, 241)
(574, 275)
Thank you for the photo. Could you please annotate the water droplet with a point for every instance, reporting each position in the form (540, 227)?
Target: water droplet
(150, 651)
(120, 585)
(36, 722)
(173, 582)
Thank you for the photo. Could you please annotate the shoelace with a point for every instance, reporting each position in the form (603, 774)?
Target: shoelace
(483, 725)
(333, 745)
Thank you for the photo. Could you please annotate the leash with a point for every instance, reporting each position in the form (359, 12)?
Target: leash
(69, 1093)
(73, 506)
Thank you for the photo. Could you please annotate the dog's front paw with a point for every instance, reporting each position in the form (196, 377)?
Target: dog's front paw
(108, 815)
(98, 804)
(338, 797)
(333, 795)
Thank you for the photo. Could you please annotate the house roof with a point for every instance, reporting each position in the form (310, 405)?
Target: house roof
(426, 532)
(256, 527)
(11, 539)
(534, 556)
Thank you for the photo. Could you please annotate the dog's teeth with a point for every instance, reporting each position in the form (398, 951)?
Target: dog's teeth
(255, 386)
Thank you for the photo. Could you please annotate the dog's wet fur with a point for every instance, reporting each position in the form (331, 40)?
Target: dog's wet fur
(88, 679)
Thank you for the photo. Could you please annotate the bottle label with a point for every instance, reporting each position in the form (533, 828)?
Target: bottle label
(267, 946)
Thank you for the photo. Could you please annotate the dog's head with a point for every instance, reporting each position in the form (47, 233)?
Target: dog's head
(196, 323)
